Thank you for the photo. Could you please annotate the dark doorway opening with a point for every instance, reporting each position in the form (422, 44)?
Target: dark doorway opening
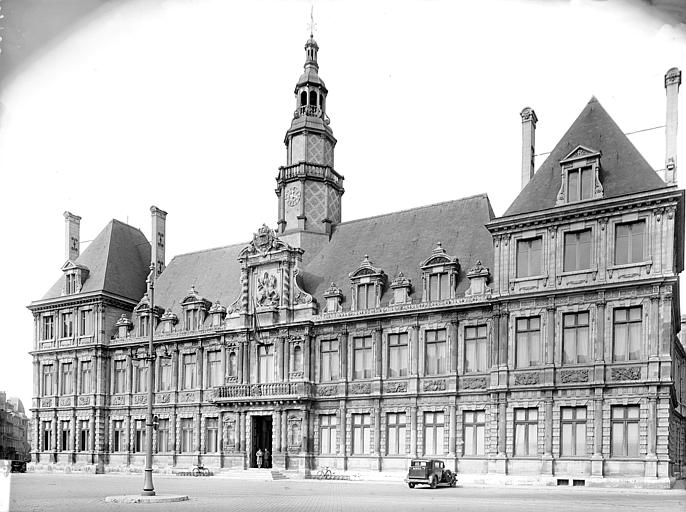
(261, 440)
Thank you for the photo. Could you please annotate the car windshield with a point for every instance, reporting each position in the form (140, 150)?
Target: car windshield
(419, 463)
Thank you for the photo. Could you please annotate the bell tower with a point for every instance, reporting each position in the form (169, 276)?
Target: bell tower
(308, 188)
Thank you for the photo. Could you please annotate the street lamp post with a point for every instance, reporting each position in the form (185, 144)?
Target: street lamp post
(148, 487)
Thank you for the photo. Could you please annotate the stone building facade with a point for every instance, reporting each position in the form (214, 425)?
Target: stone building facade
(14, 429)
(540, 344)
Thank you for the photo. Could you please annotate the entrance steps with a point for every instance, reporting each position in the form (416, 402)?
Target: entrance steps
(255, 474)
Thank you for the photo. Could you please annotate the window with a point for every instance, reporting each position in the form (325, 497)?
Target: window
(627, 334)
(165, 374)
(70, 284)
(630, 242)
(474, 432)
(435, 352)
(211, 435)
(265, 355)
(361, 434)
(327, 433)
(47, 328)
(140, 380)
(193, 320)
(366, 296)
(119, 375)
(143, 325)
(528, 340)
(577, 251)
(47, 437)
(64, 435)
(329, 360)
(575, 341)
(580, 184)
(433, 433)
(362, 357)
(85, 322)
(572, 431)
(86, 378)
(48, 379)
(214, 368)
(395, 433)
(529, 257)
(297, 358)
(188, 371)
(439, 286)
(84, 435)
(139, 439)
(526, 432)
(163, 435)
(118, 435)
(233, 364)
(476, 348)
(67, 325)
(397, 355)
(625, 434)
(186, 435)
(67, 378)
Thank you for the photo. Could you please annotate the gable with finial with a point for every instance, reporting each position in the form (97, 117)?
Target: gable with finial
(263, 242)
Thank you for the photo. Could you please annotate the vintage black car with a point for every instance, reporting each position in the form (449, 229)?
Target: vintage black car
(18, 466)
(431, 472)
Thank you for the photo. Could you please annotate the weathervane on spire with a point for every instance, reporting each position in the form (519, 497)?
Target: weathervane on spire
(312, 26)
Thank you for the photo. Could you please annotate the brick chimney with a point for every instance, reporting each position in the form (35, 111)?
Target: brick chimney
(529, 121)
(159, 221)
(672, 82)
(72, 236)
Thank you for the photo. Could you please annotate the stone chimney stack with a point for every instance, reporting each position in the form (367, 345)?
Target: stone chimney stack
(672, 82)
(529, 121)
(72, 236)
(159, 221)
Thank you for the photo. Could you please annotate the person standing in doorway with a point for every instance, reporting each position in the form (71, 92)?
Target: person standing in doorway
(259, 455)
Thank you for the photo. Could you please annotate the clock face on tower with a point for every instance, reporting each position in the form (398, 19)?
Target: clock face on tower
(292, 196)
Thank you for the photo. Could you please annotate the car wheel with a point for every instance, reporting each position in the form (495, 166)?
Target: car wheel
(433, 482)
(410, 485)
(453, 482)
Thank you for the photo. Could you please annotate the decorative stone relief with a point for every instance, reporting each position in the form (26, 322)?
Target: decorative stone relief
(117, 400)
(267, 292)
(84, 400)
(360, 388)
(294, 432)
(327, 390)
(478, 277)
(263, 241)
(65, 401)
(630, 373)
(229, 435)
(164, 398)
(334, 297)
(435, 385)
(474, 383)
(568, 376)
(140, 399)
(396, 387)
(526, 379)
(46, 402)
(188, 396)
(299, 295)
(402, 287)
(295, 375)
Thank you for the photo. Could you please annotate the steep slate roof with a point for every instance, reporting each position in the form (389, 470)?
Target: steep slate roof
(398, 241)
(623, 170)
(118, 261)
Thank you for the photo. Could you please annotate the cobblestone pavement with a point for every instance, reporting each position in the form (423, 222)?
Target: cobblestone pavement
(56, 492)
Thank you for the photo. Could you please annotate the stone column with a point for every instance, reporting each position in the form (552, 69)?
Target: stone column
(307, 353)
(377, 428)
(175, 368)
(246, 362)
(224, 365)
(502, 338)
(277, 437)
(281, 367)
(453, 430)
(378, 353)
(502, 426)
(199, 352)
(342, 414)
(547, 459)
(550, 338)
(651, 457)
(414, 350)
(452, 344)
(306, 431)
(599, 348)
(597, 458)
(343, 340)
(413, 431)
(241, 428)
(129, 374)
(284, 431)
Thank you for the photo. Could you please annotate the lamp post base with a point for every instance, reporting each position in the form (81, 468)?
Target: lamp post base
(148, 487)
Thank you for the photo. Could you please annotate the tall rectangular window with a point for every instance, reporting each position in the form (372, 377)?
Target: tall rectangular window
(214, 368)
(366, 296)
(143, 325)
(211, 435)
(625, 432)
(397, 355)
(64, 435)
(192, 318)
(165, 373)
(139, 438)
(526, 432)
(84, 435)
(577, 250)
(67, 325)
(627, 325)
(395, 433)
(361, 434)
(575, 338)
(86, 377)
(630, 242)
(579, 184)
(433, 433)
(118, 444)
(186, 435)
(47, 436)
(572, 431)
(188, 371)
(529, 254)
(140, 377)
(474, 432)
(328, 367)
(232, 364)
(67, 378)
(476, 349)
(435, 355)
(71, 284)
(119, 376)
(47, 327)
(327, 433)
(163, 435)
(85, 322)
(439, 286)
(528, 341)
(362, 357)
(265, 362)
(48, 379)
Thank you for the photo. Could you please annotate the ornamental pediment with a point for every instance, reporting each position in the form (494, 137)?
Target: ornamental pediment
(439, 257)
(263, 242)
(70, 265)
(580, 152)
(366, 268)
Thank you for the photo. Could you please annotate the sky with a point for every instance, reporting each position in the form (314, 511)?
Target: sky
(184, 104)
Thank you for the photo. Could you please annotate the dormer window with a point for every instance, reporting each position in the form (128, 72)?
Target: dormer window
(74, 277)
(142, 310)
(195, 309)
(367, 285)
(143, 325)
(192, 319)
(439, 274)
(580, 178)
(70, 284)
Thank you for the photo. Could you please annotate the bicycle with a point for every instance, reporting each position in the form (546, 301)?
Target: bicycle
(200, 470)
(325, 473)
